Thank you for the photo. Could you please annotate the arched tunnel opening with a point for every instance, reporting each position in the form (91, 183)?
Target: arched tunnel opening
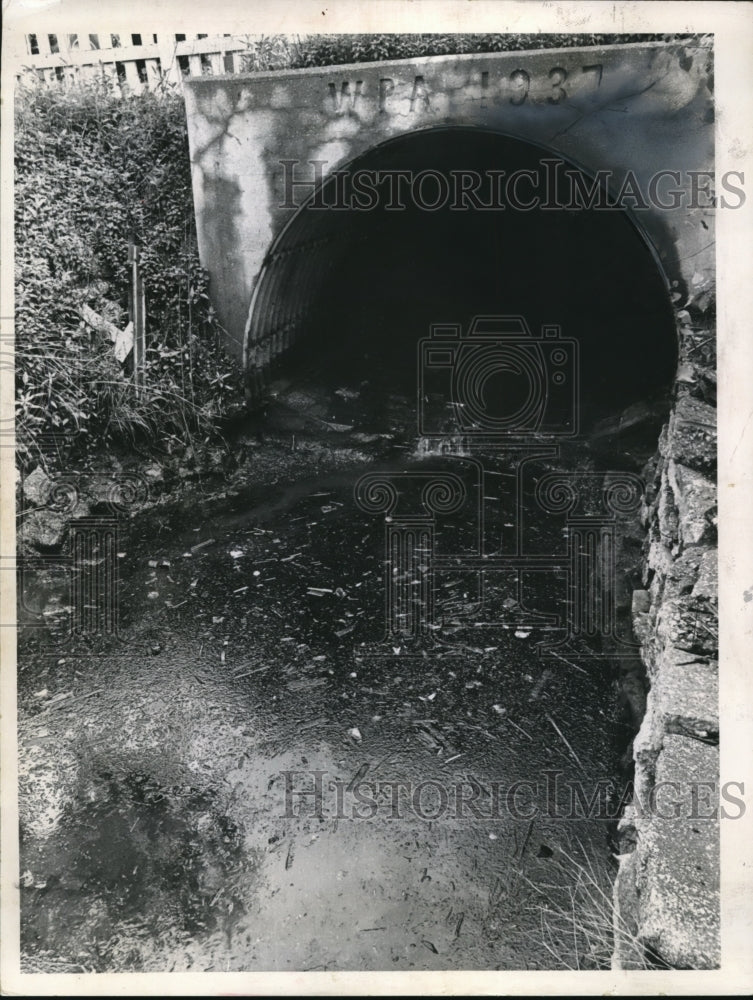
(376, 306)
(354, 283)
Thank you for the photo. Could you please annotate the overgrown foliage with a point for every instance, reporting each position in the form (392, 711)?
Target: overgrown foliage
(95, 171)
(324, 50)
(278, 52)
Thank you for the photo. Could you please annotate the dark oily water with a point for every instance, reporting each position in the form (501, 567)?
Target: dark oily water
(253, 778)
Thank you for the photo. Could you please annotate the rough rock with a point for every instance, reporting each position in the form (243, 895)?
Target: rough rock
(678, 884)
(154, 473)
(44, 530)
(685, 695)
(641, 602)
(667, 889)
(706, 589)
(696, 502)
(682, 573)
(668, 516)
(691, 438)
(37, 486)
(641, 612)
(693, 630)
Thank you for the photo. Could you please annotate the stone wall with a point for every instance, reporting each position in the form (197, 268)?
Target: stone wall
(667, 890)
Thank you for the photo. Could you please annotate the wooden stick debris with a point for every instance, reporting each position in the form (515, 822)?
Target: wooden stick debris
(562, 736)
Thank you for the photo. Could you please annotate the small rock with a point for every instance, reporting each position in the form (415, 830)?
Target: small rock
(37, 486)
(355, 734)
(154, 473)
(641, 602)
(44, 529)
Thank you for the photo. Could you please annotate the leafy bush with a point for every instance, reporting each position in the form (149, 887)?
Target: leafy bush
(327, 50)
(95, 171)
(281, 52)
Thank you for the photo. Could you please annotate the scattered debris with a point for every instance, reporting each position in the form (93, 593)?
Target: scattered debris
(521, 730)
(202, 545)
(525, 841)
(306, 683)
(358, 776)
(256, 670)
(539, 685)
(575, 757)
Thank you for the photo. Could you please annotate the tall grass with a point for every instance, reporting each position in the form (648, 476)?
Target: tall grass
(579, 926)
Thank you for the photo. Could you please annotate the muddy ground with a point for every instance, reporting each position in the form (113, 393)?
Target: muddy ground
(162, 817)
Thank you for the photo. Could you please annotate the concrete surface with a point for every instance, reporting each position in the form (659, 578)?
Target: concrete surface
(640, 108)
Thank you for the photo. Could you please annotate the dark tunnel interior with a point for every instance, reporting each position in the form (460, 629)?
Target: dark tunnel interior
(396, 272)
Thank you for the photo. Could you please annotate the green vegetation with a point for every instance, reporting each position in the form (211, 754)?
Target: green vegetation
(278, 52)
(324, 50)
(93, 172)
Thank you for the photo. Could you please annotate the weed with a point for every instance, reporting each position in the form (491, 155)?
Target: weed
(579, 927)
